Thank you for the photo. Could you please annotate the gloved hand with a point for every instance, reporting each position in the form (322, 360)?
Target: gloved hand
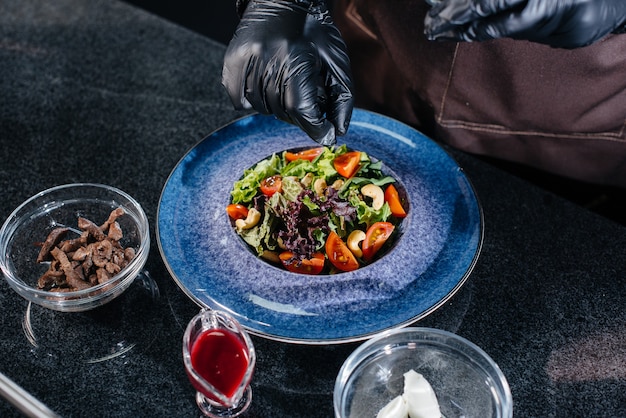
(287, 58)
(558, 23)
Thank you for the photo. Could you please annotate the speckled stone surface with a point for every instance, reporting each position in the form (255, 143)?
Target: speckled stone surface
(100, 91)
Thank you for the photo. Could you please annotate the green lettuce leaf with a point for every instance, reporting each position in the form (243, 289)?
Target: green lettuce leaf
(247, 187)
(368, 215)
(291, 188)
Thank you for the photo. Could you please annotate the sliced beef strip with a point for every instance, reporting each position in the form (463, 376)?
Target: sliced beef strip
(71, 276)
(116, 213)
(82, 262)
(103, 275)
(90, 227)
(115, 232)
(54, 237)
(72, 245)
(102, 252)
(52, 278)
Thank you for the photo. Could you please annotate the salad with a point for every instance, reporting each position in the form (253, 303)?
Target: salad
(318, 210)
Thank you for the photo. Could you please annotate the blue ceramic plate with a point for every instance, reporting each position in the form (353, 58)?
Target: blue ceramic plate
(441, 238)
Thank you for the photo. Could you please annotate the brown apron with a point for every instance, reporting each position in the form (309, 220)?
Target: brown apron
(563, 111)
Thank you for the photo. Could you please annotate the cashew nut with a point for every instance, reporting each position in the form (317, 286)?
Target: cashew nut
(376, 193)
(270, 256)
(353, 241)
(307, 179)
(253, 218)
(337, 184)
(320, 186)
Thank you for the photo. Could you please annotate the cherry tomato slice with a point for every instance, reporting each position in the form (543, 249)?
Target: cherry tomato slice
(309, 154)
(271, 185)
(347, 164)
(313, 265)
(237, 211)
(339, 254)
(375, 237)
(393, 200)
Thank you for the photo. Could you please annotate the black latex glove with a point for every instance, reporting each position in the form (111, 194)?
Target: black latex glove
(290, 60)
(558, 23)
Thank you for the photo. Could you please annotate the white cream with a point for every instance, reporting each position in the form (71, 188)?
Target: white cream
(420, 396)
(417, 401)
(396, 408)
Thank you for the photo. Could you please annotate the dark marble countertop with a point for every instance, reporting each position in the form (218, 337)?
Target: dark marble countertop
(99, 91)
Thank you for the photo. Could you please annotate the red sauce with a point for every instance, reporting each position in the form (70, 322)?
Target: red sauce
(221, 358)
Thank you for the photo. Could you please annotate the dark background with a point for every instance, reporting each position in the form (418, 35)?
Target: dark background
(217, 20)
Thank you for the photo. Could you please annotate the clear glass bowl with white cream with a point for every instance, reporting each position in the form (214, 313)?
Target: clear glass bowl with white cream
(421, 372)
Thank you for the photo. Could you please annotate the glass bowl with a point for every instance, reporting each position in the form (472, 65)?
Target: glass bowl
(61, 206)
(465, 380)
